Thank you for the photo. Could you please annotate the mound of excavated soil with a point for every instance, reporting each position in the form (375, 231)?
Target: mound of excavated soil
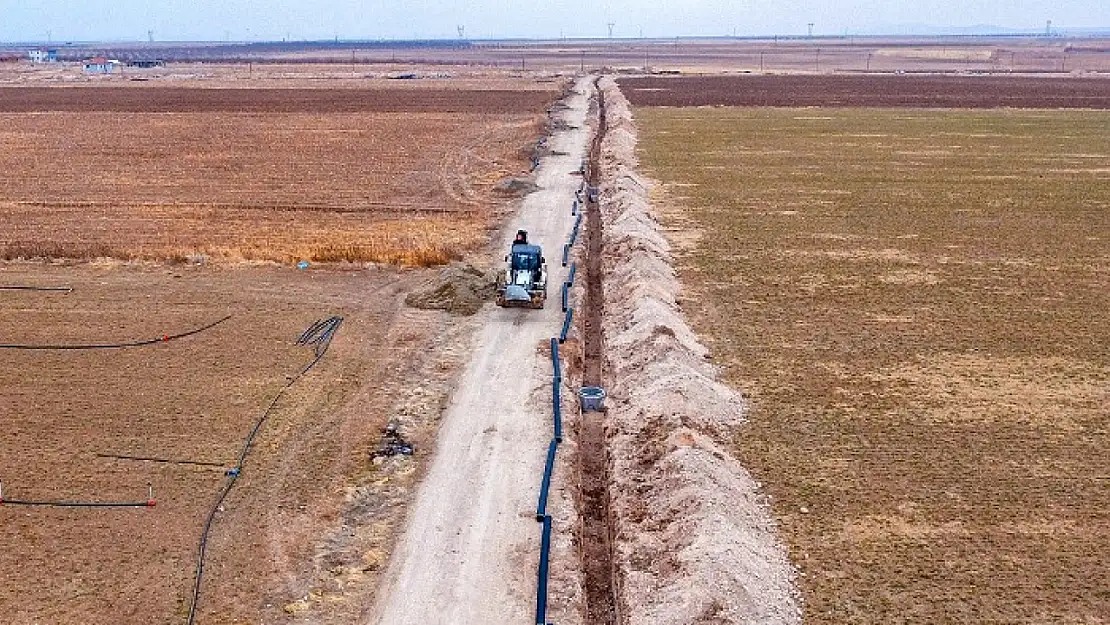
(458, 288)
(694, 541)
(515, 187)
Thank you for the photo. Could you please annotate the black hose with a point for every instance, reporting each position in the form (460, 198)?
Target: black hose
(79, 504)
(319, 336)
(20, 287)
(162, 339)
(162, 460)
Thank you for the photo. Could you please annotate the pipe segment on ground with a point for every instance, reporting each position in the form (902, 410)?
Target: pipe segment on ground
(542, 573)
(545, 485)
(566, 326)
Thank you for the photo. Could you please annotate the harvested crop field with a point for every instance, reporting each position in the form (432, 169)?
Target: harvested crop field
(405, 176)
(915, 302)
(311, 518)
(871, 90)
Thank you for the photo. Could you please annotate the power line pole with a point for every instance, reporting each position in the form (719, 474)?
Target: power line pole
(611, 25)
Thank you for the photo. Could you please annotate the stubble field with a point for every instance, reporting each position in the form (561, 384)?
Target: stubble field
(915, 302)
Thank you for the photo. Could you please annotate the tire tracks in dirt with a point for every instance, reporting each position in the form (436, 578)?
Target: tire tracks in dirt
(468, 552)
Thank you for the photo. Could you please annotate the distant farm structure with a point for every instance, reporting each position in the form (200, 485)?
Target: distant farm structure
(100, 65)
(42, 56)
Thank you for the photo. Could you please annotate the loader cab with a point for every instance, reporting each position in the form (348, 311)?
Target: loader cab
(525, 257)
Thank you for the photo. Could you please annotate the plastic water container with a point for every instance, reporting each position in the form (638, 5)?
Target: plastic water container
(592, 397)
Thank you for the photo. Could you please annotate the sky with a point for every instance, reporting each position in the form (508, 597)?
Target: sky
(274, 20)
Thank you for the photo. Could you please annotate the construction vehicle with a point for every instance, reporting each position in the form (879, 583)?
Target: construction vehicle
(524, 282)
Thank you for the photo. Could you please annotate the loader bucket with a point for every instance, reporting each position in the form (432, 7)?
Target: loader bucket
(517, 293)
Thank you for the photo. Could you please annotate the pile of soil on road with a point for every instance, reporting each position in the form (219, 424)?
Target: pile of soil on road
(458, 288)
(694, 540)
(516, 187)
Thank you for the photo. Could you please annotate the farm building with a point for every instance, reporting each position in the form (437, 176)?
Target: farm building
(43, 56)
(100, 65)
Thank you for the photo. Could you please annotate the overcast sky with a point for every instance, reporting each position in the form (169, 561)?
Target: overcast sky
(252, 20)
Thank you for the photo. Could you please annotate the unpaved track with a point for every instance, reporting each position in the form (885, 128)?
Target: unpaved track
(469, 553)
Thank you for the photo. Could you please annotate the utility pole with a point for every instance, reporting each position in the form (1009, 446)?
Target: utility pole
(810, 30)
(611, 25)
(869, 61)
(761, 61)
(817, 60)
(582, 68)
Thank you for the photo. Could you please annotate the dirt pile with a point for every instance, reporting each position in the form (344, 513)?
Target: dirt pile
(694, 541)
(515, 187)
(458, 288)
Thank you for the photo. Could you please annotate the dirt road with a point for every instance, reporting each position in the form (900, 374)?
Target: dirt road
(469, 553)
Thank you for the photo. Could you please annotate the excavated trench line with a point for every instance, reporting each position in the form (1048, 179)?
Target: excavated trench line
(595, 523)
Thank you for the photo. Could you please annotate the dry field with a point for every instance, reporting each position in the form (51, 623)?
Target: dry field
(871, 90)
(353, 61)
(146, 199)
(312, 518)
(390, 175)
(916, 302)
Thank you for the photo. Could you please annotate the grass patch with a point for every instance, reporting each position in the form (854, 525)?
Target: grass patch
(915, 302)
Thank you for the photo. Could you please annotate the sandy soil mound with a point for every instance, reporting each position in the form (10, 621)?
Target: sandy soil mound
(694, 540)
(459, 288)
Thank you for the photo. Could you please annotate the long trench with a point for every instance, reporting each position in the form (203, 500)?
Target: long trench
(595, 531)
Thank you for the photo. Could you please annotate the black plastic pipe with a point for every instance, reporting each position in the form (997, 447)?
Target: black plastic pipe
(566, 326)
(545, 485)
(556, 366)
(545, 556)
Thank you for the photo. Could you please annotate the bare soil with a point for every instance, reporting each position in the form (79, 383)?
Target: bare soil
(305, 519)
(168, 99)
(870, 90)
(231, 175)
(470, 549)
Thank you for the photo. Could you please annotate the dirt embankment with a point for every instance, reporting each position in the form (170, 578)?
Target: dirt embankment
(693, 540)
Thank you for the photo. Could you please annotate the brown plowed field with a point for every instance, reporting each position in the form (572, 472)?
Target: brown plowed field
(886, 91)
(191, 176)
(311, 516)
(160, 99)
(403, 176)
